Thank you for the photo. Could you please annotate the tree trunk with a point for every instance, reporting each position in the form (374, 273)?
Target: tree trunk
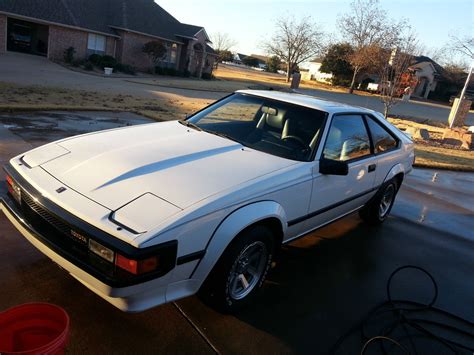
(288, 72)
(351, 89)
(386, 110)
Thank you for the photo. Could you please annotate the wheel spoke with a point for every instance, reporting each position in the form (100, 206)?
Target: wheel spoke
(252, 271)
(243, 281)
(255, 255)
(234, 284)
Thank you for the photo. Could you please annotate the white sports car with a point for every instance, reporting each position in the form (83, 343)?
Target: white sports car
(149, 214)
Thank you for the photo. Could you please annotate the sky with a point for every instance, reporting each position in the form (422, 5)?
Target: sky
(250, 23)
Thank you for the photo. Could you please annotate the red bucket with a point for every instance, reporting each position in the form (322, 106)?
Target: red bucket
(33, 329)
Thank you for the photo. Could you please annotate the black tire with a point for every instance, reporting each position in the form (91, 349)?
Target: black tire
(378, 208)
(219, 289)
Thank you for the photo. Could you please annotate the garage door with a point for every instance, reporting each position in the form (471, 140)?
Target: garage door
(27, 37)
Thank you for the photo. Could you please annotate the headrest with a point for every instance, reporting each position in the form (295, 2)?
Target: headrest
(272, 118)
(270, 110)
(275, 122)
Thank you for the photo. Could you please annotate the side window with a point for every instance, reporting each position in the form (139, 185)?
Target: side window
(348, 139)
(383, 141)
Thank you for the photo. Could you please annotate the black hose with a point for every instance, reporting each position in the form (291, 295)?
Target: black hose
(405, 316)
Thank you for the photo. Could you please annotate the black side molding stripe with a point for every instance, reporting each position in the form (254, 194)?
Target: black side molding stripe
(190, 257)
(326, 209)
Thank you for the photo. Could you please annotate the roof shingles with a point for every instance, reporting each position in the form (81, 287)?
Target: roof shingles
(144, 16)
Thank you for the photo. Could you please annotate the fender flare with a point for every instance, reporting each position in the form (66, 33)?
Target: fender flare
(397, 169)
(231, 226)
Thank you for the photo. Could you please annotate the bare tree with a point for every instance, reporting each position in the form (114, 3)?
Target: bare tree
(295, 42)
(223, 42)
(367, 27)
(394, 72)
(156, 51)
(438, 54)
(461, 45)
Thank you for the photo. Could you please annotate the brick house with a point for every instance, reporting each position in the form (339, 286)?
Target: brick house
(118, 28)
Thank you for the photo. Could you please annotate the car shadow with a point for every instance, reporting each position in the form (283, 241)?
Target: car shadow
(327, 282)
(299, 308)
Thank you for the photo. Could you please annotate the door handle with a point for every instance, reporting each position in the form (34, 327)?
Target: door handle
(372, 167)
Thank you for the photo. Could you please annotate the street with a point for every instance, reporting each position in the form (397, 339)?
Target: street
(24, 69)
(415, 109)
(322, 285)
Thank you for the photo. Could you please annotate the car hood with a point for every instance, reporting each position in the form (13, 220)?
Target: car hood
(177, 164)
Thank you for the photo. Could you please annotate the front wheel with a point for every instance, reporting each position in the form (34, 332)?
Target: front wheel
(378, 209)
(240, 272)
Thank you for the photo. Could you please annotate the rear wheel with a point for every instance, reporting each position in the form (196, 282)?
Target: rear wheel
(240, 272)
(378, 209)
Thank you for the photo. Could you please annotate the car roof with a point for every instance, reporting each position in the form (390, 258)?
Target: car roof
(307, 101)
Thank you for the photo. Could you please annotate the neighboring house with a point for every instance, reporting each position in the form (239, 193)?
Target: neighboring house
(314, 72)
(427, 72)
(118, 28)
(262, 60)
(239, 57)
(422, 77)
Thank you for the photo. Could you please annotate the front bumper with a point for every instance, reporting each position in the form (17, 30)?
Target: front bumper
(126, 291)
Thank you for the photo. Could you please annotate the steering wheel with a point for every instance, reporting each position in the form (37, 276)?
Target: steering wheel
(296, 140)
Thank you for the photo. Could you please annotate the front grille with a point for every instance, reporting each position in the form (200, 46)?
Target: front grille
(68, 236)
(44, 214)
(61, 234)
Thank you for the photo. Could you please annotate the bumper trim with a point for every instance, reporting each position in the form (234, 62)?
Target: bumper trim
(85, 261)
(13, 213)
(104, 238)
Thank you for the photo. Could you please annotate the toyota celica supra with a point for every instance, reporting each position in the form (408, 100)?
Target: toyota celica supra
(149, 214)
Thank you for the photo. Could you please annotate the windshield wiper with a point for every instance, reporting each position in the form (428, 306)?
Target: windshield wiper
(190, 125)
(224, 135)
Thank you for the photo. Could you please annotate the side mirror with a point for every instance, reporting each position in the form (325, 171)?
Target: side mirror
(333, 167)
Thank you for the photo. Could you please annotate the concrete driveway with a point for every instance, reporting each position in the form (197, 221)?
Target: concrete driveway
(322, 286)
(33, 70)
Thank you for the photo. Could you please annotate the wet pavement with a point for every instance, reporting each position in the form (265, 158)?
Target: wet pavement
(321, 287)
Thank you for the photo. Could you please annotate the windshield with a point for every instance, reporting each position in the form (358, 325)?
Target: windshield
(274, 127)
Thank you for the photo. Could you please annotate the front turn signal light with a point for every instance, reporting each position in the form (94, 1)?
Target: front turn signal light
(137, 267)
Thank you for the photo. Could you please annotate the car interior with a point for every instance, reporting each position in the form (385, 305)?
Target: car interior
(277, 128)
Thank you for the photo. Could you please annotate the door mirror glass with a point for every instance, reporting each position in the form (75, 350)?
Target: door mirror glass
(333, 167)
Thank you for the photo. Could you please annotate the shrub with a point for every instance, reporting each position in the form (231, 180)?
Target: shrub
(95, 59)
(77, 63)
(155, 51)
(69, 55)
(125, 68)
(88, 66)
(171, 71)
(159, 70)
(108, 61)
(207, 76)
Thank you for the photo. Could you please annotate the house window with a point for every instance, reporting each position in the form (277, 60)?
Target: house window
(173, 53)
(96, 44)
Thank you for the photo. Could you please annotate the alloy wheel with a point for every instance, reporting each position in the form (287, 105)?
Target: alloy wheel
(247, 270)
(386, 201)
